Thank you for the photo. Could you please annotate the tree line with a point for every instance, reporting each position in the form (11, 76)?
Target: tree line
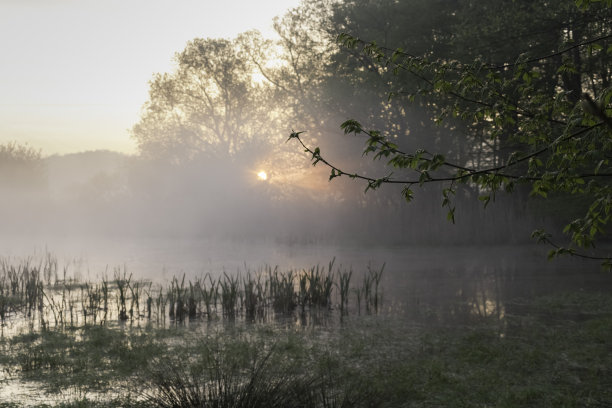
(457, 102)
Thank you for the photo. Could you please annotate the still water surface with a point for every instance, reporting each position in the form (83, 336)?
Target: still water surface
(417, 280)
(431, 285)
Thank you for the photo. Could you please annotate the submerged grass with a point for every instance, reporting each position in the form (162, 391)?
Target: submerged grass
(36, 296)
(520, 362)
(375, 361)
(107, 345)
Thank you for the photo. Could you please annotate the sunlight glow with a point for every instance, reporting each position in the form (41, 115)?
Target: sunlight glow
(43, 106)
(262, 176)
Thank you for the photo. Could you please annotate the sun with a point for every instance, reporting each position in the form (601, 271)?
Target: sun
(262, 175)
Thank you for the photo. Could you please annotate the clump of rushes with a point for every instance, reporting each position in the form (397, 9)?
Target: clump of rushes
(253, 296)
(344, 280)
(8, 302)
(282, 291)
(192, 300)
(229, 294)
(176, 299)
(135, 299)
(320, 285)
(49, 267)
(123, 282)
(208, 294)
(268, 292)
(31, 284)
(223, 383)
(244, 372)
(160, 307)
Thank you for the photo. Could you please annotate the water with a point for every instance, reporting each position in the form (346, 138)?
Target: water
(419, 281)
(420, 285)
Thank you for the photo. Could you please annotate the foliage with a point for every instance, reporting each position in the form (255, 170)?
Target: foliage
(21, 167)
(541, 120)
(210, 106)
(295, 65)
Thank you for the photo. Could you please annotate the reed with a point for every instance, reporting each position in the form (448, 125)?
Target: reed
(33, 292)
(229, 294)
(376, 295)
(282, 290)
(105, 298)
(209, 295)
(30, 284)
(254, 296)
(320, 285)
(344, 281)
(122, 280)
(160, 306)
(9, 304)
(176, 299)
(55, 310)
(49, 268)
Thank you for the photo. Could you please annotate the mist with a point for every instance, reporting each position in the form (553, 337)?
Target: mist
(375, 203)
(224, 113)
(108, 194)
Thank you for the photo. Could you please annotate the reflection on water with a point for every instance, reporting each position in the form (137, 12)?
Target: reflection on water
(420, 286)
(424, 285)
(428, 284)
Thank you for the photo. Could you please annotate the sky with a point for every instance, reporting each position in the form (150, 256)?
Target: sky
(74, 73)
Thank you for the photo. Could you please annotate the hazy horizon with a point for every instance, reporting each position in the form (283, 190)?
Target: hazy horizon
(76, 74)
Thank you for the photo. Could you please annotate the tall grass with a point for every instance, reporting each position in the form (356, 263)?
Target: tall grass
(265, 380)
(344, 281)
(255, 293)
(220, 384)
(46, 299)
(122, 280)
(230, 292)
(282, 290)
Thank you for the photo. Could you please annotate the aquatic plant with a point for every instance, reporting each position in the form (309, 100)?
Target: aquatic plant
(343, 285)
(123, 282)
(254, 295)
(269, 292)
(223, 383)
(282, 290)
(229, 294)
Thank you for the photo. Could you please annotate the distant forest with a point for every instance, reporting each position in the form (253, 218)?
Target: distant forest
(227, 109)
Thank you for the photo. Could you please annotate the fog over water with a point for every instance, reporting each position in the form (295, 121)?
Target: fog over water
(101, 213)
(194, 200)
(354, 203)
(420, 282)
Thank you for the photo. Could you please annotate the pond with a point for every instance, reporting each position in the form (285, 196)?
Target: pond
(420, 282)
(90, 342)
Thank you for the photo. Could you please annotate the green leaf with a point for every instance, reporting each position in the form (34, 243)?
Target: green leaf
(294, 135)
(351, 126)
(408, 194)
(424, 177)
(450, 216)
(485, 199)
(333, 175)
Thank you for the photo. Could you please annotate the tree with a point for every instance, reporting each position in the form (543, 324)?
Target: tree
(296, 63)
(23, 188)
(211, 106)
(542, 119)
(22, 169)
